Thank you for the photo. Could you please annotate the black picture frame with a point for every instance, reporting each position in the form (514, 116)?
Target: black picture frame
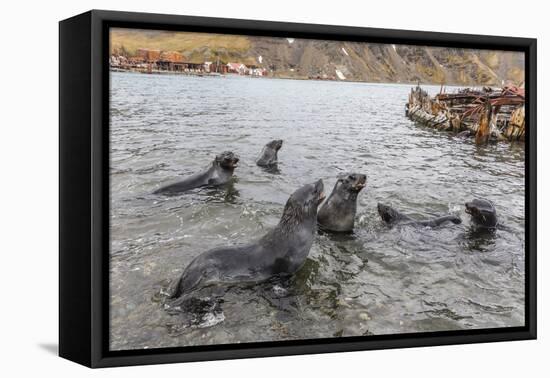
(84, 190)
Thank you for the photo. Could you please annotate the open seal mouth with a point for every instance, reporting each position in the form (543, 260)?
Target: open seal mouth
(319, 190)
(227, 159)
(470, 209)
(361, 184)
(233, 163)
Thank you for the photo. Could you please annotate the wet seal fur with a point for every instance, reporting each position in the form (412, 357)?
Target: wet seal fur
(392, 216)
(219, 172)
(483, 213)
(338, 211)
(268, 157)
(282, 251)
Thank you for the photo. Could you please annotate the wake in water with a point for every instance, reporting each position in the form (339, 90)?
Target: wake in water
(191, 312)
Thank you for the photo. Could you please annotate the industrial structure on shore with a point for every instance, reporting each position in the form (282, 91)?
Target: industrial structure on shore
(149, 61)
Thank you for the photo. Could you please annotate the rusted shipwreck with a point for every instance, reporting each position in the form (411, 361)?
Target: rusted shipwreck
(487, 114)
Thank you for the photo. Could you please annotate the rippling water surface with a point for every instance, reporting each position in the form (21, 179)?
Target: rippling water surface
(379, 280)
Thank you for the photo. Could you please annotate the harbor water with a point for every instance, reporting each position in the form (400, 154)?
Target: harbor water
(377, 280)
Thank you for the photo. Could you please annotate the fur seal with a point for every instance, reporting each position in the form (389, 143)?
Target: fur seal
(483, 213)
(338, 211)
(268, 157)
(218, 173)
(282, 251)
(392, 216)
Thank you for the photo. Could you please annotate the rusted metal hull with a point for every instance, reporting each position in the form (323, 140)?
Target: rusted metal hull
(487, 114)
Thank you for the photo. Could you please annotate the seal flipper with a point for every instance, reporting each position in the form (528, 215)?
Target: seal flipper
(439, 221)
(189, 281)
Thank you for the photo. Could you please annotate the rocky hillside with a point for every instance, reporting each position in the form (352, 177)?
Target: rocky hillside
(302, 58)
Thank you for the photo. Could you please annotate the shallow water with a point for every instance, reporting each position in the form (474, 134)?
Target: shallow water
(379, 280)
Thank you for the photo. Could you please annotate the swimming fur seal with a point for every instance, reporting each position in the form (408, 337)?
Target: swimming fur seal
(483, 213)
(338, 211)
(392, 216)
(282, 251)
(268, 157)
(218, 173)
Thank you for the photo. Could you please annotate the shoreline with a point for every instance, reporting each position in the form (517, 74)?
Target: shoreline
(214, 74)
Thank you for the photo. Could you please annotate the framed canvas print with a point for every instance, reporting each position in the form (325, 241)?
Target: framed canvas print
(234, 188)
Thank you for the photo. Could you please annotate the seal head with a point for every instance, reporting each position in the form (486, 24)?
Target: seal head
(351, 183)
(388, 213)
(483, 213)
(226, 160)
(275, 144)
(303, 203)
